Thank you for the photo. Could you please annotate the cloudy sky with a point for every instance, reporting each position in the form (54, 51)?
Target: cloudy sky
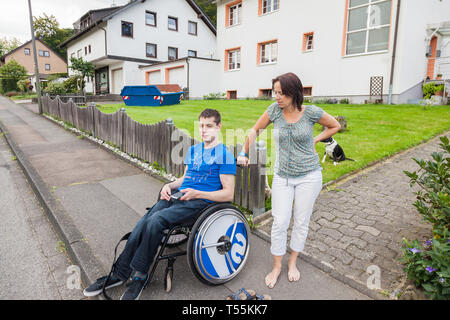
(14, 16)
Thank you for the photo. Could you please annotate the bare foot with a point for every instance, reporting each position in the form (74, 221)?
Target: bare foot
(293, 273)
(271, 278)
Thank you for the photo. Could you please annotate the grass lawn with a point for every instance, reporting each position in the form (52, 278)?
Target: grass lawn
(373, 131)
(24, 96)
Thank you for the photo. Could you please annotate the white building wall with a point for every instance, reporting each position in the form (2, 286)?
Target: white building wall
(325, 69)
(96, 39)
(204, 43)
(413, 40)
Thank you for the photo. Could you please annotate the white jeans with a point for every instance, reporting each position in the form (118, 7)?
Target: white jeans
(304, 190)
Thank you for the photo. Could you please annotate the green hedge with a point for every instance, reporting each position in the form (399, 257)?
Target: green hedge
(7, 85)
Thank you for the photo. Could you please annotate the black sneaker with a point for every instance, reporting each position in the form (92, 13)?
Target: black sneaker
(96, 288)
(134, 289)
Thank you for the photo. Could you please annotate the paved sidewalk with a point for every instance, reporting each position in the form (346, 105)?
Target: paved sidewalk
(93, 198)
(361, 222)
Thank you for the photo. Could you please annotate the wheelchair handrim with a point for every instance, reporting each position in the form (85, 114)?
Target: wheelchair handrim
(203, 254)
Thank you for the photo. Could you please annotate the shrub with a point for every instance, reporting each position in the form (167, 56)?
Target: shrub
(429, 266)
(214, 96)
(344, 101)
(430, 89)
(71, 84)
(55, 88)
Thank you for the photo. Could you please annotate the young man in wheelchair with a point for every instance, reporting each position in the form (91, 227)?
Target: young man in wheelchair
(209, 177)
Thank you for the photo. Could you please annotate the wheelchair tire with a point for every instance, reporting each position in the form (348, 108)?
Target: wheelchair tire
(219, 244)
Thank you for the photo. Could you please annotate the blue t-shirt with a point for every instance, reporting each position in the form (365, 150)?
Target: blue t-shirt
(205, 167)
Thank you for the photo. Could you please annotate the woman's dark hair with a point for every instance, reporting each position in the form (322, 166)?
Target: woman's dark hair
(291, 86)
(211, 113)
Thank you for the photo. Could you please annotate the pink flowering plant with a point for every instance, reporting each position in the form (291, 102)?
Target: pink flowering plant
(429, 264)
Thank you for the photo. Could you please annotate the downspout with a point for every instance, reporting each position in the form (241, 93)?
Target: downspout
(189, 91)
(394, 49)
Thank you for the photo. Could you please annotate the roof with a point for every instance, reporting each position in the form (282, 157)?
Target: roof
(2, 58)
(200, 13)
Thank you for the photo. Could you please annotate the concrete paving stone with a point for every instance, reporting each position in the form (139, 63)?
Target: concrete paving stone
(314, 226)
(318, 244)
(332, 243)
(373, 231)
(345, 222)
(361, 221)
(336, 235)
(350, 231)
(341, 255)
(371, 239)
(319, 255)
(361, 244)
(325, 223)
(367, 254)
(325, 215)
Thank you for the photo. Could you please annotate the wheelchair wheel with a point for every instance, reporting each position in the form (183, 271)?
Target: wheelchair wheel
(218, 245)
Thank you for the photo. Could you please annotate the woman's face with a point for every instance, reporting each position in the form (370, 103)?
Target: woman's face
(282, 100)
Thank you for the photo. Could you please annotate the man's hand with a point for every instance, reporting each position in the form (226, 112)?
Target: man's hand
(166, 192)
(190, 194)
(242, 161)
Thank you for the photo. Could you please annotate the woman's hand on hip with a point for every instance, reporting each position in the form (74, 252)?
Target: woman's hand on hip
(242, 161)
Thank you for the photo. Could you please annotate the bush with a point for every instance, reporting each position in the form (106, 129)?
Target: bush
(429, 266)
(344, 101)
(7, 85)
(430, 89)
(55, 88)
(214, 96)
(70, 85)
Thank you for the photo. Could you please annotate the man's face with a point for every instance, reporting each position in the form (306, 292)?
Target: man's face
(209, 130)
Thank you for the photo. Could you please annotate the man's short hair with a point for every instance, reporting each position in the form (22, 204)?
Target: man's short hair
(211, 113)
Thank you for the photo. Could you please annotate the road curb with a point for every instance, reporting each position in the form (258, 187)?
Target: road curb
(78, 249)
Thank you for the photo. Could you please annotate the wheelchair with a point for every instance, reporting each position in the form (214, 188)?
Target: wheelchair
(218, 244)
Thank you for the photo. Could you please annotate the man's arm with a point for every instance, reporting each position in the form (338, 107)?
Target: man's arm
(226, 194)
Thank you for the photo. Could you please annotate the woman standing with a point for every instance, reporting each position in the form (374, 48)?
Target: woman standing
(297, 170)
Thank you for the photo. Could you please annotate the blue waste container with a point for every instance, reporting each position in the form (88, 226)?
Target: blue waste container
(149, 96)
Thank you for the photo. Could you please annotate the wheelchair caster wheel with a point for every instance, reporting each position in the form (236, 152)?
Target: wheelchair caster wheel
(168, 279)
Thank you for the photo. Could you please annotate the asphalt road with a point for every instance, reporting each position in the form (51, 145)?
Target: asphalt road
(33, 263)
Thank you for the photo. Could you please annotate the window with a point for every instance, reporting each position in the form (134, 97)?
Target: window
(150, 18)
(41, 53)
(268, 52)
(307, 91)
(46, 54)
(308, 39)
(173, 53)
(233, 59)
(27, 51)
(85, 50)
(79, 53)
(192, 28)
(89, 48)
(192, 53)
(47, 66)
(127, 29)
(234, 14)
(268, 6)
(150, 50)
(173, 23)
(265, 93)
(368, 26)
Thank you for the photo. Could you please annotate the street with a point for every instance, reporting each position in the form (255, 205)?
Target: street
(33, 262)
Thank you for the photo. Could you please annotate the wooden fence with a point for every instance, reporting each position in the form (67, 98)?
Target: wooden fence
(161, 142)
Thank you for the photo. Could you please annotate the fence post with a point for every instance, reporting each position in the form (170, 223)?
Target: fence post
(122, 129)
(92, 106)
(169, 162)
(260, 199)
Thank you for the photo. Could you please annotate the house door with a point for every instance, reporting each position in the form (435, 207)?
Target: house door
(117, 81)
(431, 58)
(102, 81)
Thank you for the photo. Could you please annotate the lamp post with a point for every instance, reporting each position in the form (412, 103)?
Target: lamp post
(36, 66)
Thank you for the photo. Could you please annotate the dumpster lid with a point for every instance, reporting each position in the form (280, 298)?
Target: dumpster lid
(169, 87)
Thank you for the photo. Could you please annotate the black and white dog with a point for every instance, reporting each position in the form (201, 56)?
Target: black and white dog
(334, 150)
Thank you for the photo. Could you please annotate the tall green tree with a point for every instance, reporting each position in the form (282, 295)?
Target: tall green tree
(209, 8)
(10, 73)
(47, 28)
(7, 45)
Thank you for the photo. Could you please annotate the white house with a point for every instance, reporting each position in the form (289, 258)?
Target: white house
(121, 39)
(335, 46)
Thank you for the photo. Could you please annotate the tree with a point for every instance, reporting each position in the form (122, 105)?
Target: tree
(47, 28)
(10, 73)
(209, 8)
(82, 68)
(8, 45)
